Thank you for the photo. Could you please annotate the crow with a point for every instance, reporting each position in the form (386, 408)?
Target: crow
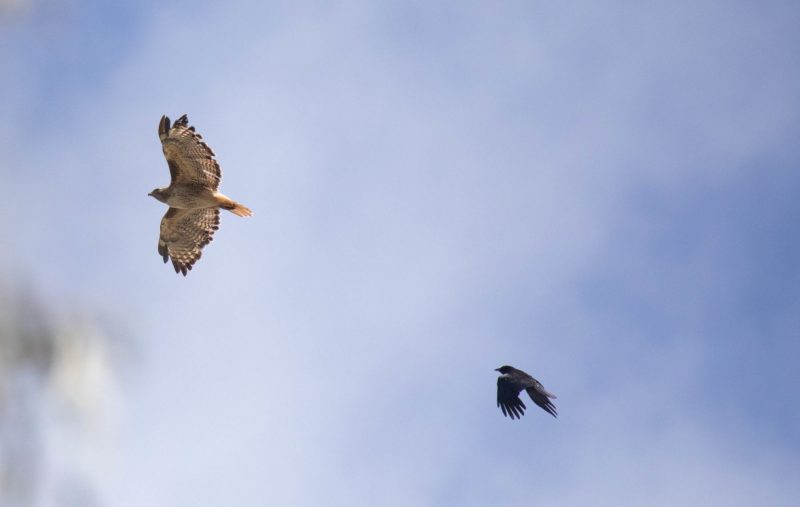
(511, 383)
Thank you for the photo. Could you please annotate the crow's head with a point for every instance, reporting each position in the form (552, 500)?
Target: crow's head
(504, 369)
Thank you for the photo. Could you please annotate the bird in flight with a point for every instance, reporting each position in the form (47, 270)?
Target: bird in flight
(510, 383)
(192, 196)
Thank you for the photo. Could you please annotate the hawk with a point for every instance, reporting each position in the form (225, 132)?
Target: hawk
(192, 196)
(511, 383)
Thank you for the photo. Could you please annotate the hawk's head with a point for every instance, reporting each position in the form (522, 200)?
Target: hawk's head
(160, 194)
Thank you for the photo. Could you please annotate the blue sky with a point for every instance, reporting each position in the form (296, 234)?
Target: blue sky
(600, 193)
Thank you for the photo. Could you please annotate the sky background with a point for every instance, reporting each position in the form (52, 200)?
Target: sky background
(603, 194)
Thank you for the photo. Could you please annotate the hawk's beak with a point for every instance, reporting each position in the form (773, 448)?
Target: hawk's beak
(150, 194)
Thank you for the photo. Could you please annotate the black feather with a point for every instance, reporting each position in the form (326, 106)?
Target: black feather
(514, 381)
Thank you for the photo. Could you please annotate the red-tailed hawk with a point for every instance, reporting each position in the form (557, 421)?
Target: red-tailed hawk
(192, 196)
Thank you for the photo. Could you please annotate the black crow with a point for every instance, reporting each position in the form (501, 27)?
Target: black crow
(511, 383)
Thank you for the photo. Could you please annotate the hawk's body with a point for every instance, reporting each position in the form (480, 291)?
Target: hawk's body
(192, 195)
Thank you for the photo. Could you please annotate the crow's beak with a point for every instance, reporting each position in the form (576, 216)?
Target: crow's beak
(497, 369)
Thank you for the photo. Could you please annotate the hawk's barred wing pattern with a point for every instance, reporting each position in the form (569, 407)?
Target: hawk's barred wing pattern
(190, 159)
(184, 233)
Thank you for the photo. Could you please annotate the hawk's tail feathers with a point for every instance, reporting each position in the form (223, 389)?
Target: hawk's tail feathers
(234, 207)
(240, 210)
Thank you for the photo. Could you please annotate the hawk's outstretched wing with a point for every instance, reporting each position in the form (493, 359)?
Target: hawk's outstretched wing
(190, 159)
(184, 233)
(508, 397)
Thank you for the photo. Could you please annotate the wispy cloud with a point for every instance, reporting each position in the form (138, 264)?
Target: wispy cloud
(438, 191)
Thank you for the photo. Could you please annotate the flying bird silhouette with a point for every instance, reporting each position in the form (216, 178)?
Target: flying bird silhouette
(511, 383)
(192, 196)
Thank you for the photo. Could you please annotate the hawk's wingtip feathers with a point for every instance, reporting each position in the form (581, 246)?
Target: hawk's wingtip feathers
(163, 126)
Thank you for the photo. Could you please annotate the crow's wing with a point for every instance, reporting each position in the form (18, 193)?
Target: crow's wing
(508, 397)
(540, 396)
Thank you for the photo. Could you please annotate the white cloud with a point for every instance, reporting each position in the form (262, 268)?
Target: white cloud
(431, 188)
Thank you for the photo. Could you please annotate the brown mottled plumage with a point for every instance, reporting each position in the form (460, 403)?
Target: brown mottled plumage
(192, 195)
